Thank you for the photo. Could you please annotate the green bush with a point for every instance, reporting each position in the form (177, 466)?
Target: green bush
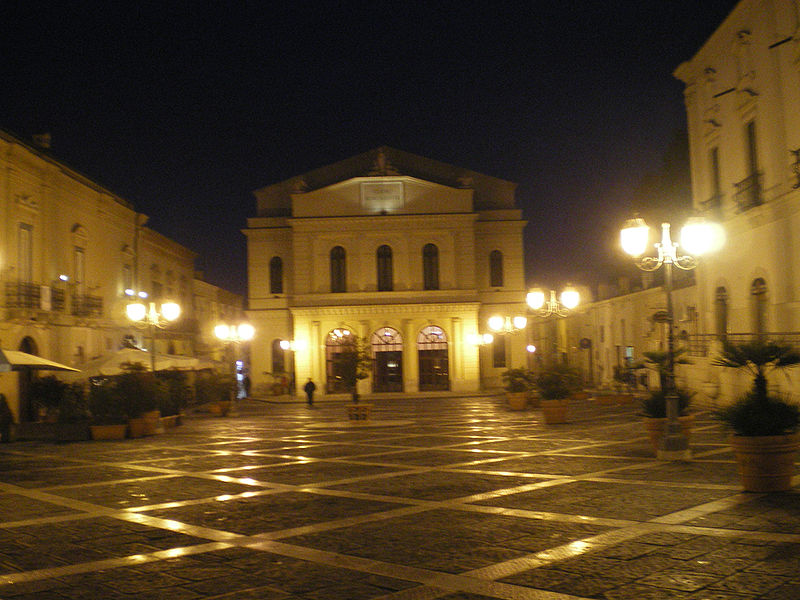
(106, 405)
(558, 382)
(74, 406)
(213, 387)
(755, 416)
(655, 405)
(178, 392)
(47, 392)
(518, 380)
(140, 391)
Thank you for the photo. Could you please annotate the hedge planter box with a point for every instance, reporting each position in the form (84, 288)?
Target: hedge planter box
(517, 400)
(766, 463)
(109, 432)
(54, 432)
(555, 411)
(655, 429)
(359, 412)
(220, 408)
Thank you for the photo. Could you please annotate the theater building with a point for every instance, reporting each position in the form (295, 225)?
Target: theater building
(409, 254)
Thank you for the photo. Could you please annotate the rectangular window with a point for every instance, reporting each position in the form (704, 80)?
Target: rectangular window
(127, 277)
(25, 253)
(713, 161)
(752, 154)
(499, 352)
(79, 273)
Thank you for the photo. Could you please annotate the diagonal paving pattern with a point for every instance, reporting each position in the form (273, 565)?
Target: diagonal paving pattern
(446, 498)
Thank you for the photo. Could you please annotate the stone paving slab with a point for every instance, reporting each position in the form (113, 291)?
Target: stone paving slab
(441, 498)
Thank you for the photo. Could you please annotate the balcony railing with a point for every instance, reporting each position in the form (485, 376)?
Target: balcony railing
(27, 295)
(713, 206)
(85, 305)
(748, 192)
(700, 344)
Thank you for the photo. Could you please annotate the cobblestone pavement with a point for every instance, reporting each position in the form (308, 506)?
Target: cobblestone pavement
(450, 498)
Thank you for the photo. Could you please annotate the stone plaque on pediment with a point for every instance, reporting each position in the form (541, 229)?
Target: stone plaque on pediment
(380, 196)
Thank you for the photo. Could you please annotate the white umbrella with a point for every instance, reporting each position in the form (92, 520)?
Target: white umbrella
(14, 360)
(113, 364)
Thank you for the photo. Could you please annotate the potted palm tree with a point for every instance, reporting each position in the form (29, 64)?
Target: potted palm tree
(555, 386)
(517, 383)
(654, 413)
(765, 426)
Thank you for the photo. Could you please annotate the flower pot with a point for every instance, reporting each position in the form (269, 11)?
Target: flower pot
(766, 463)
(109, 432)
(655, 428)
(517, 400)
(152, 422)
(555, 411)
(534, 400)
(137, 427)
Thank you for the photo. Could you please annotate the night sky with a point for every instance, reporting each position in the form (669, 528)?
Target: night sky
(184, 108)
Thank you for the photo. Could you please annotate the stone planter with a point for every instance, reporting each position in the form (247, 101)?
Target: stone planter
(220, 408)
(169, 421)
(555, 411)
(517, 400)
(655, 428)
(766, 463)
(359, 412)
(152, 422)
(109, 432)
(137, 427)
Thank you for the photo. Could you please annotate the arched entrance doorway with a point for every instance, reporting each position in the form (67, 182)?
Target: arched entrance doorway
(433, 359)
(387, 351)
(25, 378)
(339, 342)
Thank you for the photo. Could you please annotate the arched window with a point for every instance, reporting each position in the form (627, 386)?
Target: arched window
(276, 275)
(496, 269)
(340, 346)
(721, 312)
(758, 293)
(385, 283)
(432, 350)
(386, 346)
(430, 267)
(338, 270)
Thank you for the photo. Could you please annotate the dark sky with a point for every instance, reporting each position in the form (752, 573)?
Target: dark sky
(184, 108)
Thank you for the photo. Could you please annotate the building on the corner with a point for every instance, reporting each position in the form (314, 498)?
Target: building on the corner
(742, 96)
(407, 253)
(69, 250)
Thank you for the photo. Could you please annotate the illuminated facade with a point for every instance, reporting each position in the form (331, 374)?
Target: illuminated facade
(407, 253)
(742, 99)
(68, 251)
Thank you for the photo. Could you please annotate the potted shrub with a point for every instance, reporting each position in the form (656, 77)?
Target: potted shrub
(108, 418)
(217, 391)
(140, 392)
(654, 412)
(765, 426)
(517, 383)
(47, 394)
(555, 386)
(356, 365)
(176, 396)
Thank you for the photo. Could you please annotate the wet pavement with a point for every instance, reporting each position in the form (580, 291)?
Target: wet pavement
(445, 498)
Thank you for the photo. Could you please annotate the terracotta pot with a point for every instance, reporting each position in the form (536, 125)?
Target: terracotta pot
(766, 463)
(517, 400)
(153, 422)
(137, 427)
(109, 432)
(555, 411)
(655, 428)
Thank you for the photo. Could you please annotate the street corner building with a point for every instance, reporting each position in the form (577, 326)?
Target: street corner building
(408, 254)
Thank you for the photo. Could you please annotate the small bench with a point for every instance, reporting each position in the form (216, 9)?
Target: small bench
(359, 412)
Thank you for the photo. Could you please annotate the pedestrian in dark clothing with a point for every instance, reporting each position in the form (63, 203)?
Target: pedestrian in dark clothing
(6, 419)
(309, 388)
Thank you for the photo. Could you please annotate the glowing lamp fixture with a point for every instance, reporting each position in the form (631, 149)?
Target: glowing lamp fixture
(570, 298)
(243, 332)
(506, 324)
(477, 339)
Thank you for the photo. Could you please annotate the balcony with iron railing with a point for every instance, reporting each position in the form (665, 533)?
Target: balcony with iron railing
(86, 305)
(713, 206)
(700, 344)
(32, 296)
(748, 192)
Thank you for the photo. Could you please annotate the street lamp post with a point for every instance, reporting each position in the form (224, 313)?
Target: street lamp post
(153, 318)
(235, 335)
(697, 237)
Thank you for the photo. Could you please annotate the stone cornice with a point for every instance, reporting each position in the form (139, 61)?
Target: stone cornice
(397, 310)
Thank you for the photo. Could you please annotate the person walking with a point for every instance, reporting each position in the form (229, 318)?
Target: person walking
(309, 389)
